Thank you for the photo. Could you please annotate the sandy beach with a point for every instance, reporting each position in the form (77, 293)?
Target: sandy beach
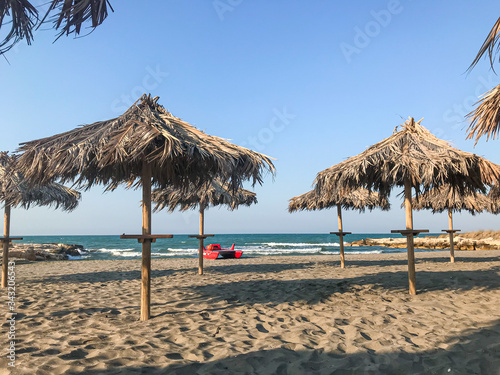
(267, 315)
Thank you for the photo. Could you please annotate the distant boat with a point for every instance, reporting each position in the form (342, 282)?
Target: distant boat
(213, 251)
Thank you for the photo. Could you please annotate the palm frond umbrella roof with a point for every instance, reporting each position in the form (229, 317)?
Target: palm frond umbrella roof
(485, 118)
(147, 146)
(68, 16)
(444, 198)
(495, 192)
(112, 152)
(490, 46)
(358, 199)
(412, 153)
(411, 157)
(16, 191)
(212, 193)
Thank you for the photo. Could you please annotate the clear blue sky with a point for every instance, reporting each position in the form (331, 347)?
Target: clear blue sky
(308, 83)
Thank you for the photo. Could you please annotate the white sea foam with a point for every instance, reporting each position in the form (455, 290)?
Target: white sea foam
(182, 250)
(104, 250)
(365, 252)
(173, 255)
(268, 250)
(299, 244)
(129, 253)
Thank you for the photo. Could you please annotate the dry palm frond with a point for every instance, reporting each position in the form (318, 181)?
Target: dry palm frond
(446, 198)
(494, 195)
(358, 199)
(112, 152)
(66, 15)
(71, 14)
(412, 153)
(212, 193)
(495, 192)
(485, 119)
(16, 191)
(491, 46)
(22, 17)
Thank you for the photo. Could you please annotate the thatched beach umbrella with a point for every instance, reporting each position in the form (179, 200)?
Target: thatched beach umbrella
(445, 198)
(410, 158)
(144, 146)
(15, 191)
(212, 193)
(357, 199)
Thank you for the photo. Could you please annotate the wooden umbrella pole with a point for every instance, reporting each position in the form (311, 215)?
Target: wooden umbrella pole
(341, 236)
(200, 249)
(409, 238)
(5, 256)
(146, 244)
(452, 249)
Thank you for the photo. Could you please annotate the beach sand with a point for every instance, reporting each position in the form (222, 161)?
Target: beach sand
(267, 315)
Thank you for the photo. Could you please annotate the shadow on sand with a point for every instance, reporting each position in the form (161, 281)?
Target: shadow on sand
(117, 275)
(473, 352)
(403, 262)
(313, 290)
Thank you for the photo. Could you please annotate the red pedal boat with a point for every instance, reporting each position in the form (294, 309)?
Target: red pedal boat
(213, 251)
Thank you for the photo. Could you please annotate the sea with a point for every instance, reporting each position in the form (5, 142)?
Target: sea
(253, 245)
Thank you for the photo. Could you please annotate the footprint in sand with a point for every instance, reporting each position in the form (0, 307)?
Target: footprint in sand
(261, 328)
(75, 354)
(174, 356)
(30, 349)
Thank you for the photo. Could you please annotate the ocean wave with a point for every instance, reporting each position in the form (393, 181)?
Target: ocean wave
(300, 244)
(281, 251)
(251, 250)
(105, 250)
(353, 252)
(365, 252)
(169, 255)
(127, 255)
(182, 250)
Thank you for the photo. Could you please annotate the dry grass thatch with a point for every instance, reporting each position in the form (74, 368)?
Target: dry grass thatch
(491, 45)
(358, 199)
(445, 198)
(212, 193)
(495, 193)
(112, 152)
(68, 16)
(412, 153)
(485, 119)
(15, 191)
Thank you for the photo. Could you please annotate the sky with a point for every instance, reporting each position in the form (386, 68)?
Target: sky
(307, 83)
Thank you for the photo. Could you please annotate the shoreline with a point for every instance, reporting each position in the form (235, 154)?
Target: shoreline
(479, 240)
(269, 314)
(51, 251)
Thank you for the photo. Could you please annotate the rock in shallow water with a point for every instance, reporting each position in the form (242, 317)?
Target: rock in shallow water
(44, 251)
